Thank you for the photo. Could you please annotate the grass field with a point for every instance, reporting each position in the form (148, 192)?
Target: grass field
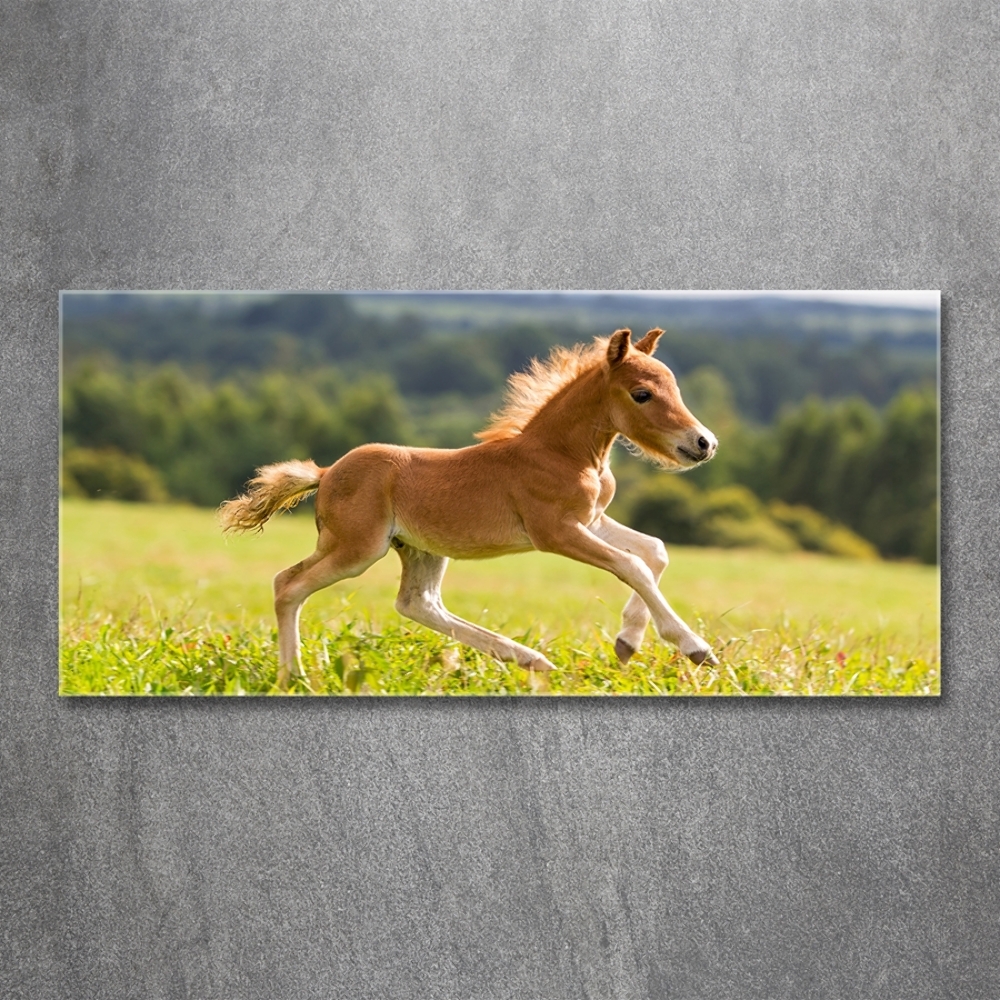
(154, 600)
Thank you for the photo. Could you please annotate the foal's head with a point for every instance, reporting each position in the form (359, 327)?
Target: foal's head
(646, 405)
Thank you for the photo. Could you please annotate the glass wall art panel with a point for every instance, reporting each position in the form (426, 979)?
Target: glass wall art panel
(500, 493)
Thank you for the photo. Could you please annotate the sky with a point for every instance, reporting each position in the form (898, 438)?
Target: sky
(910, 299)
(914, 299)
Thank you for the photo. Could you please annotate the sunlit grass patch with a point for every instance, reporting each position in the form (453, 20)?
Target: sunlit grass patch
(155, 601)
(130, 658)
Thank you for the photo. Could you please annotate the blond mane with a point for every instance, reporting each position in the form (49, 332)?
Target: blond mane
(527, 392)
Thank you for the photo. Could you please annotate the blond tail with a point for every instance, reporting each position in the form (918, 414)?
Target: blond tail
(276, 487)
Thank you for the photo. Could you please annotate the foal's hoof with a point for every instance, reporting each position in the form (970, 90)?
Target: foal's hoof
(700, 656)
(537, 663)
(623, 650)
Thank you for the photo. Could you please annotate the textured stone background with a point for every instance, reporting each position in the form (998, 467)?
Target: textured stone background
(529, 849)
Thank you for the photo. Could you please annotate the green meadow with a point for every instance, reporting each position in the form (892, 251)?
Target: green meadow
(155, 601)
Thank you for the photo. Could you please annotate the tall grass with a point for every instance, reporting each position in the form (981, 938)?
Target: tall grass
(156, 601)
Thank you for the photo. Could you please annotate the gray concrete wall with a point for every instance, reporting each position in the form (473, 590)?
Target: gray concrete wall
(523, 849)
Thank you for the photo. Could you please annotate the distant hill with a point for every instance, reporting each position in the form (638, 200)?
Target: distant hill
(771, 350)
(603, 312)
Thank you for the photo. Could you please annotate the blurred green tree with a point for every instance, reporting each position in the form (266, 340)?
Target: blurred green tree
(203, 440)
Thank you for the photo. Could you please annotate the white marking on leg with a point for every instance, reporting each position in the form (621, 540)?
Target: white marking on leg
(420, 600)
(635, 616)
(578, 542)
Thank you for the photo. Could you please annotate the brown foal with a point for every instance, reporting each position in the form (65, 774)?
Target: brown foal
(539, 479)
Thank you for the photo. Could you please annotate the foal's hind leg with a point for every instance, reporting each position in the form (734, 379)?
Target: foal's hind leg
(420, 599)
(333, 560)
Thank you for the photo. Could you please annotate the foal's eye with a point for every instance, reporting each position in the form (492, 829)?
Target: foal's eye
(642, 395)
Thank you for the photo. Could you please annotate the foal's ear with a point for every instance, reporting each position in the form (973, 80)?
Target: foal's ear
(618, 346)
(648, 343)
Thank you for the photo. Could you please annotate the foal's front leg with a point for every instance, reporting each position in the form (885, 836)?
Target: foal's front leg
(420, 599)
(572, 539)
(653, 553)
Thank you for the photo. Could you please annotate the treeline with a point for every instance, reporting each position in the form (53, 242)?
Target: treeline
(300, 332)
(733, 517)
(164, 433)
(840, 477)
(872, 472)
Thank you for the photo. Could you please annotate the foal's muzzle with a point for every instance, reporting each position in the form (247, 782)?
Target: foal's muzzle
(700, 445)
